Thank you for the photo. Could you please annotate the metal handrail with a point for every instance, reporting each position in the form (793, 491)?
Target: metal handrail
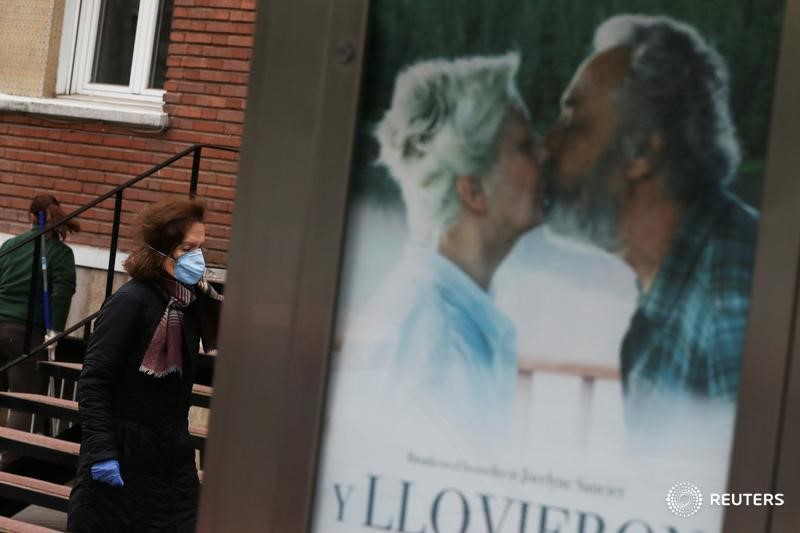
(75, 327)
(117, 192)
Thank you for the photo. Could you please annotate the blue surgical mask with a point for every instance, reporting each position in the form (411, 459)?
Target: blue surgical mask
(190, 267)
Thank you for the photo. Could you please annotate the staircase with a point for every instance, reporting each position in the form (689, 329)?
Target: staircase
(37, 470)
(40, 474)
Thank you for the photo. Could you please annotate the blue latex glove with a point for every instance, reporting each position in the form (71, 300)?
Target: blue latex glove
(107, 472)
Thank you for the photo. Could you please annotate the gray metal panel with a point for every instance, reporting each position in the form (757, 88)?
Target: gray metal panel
(787, 482)
(287, 233)
(772, 308)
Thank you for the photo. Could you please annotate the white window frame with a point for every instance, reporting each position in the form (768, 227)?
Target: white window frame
(78, 40)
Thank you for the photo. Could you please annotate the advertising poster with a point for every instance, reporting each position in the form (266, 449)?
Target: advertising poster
(547, 266)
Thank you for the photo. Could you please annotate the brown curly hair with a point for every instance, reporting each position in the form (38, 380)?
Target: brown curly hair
(162, 227)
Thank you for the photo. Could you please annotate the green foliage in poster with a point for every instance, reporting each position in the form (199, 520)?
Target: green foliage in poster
(553, 37)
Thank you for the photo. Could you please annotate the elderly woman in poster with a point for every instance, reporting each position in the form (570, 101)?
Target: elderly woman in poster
(457, 141)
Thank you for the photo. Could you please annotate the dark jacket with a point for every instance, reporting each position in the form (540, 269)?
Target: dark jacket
(15, 281)
(137, 419)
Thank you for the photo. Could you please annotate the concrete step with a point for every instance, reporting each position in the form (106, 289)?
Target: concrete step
(41, 517)
(68, 410)
(207, 360)
(60, 369)
(201, 394)
(198, 435)
(39, 446)
(34, 491)
(40, 404)
(15, 526)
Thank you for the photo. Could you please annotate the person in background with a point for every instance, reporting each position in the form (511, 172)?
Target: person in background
(15, 284)
(137, 463)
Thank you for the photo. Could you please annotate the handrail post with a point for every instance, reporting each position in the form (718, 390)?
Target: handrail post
(112, 252)
(37, 253)
(195, 171)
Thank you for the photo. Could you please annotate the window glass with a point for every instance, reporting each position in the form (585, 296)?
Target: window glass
(158, 66)
(116, 35)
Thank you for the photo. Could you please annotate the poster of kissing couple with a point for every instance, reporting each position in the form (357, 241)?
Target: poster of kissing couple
(551, 234)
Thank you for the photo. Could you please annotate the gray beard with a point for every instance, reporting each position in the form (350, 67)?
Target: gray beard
(591, 215)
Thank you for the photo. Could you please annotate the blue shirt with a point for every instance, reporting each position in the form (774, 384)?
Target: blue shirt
(434, 336)
(687, 334)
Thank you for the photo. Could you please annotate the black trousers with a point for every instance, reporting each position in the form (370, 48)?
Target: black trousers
(22, 377)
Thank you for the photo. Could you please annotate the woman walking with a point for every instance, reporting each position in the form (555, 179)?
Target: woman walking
(137, 463)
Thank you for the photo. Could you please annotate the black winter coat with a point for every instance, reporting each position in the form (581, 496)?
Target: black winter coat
(137, 419)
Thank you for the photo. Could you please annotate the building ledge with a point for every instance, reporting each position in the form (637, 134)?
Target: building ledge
(89, 108)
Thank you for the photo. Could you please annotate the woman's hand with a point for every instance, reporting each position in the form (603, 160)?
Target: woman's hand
(107, 472)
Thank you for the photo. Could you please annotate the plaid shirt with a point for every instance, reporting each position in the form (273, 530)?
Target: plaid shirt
(687, 333)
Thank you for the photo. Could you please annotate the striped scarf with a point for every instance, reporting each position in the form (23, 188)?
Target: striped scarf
(164, 355)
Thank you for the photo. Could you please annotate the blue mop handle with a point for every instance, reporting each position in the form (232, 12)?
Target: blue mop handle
(48, 318)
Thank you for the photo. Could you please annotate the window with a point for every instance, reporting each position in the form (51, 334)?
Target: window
(115, 49)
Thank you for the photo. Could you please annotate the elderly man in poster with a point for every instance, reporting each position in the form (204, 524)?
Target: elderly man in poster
(639, 162)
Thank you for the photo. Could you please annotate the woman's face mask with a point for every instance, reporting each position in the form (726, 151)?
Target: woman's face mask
(190, 267)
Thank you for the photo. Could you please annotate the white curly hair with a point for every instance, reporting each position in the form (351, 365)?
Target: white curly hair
(444, 122)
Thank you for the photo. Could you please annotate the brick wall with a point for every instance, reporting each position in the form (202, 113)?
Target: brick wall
(206, 85)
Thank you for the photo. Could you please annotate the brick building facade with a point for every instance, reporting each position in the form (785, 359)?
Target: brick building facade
(80, 158)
